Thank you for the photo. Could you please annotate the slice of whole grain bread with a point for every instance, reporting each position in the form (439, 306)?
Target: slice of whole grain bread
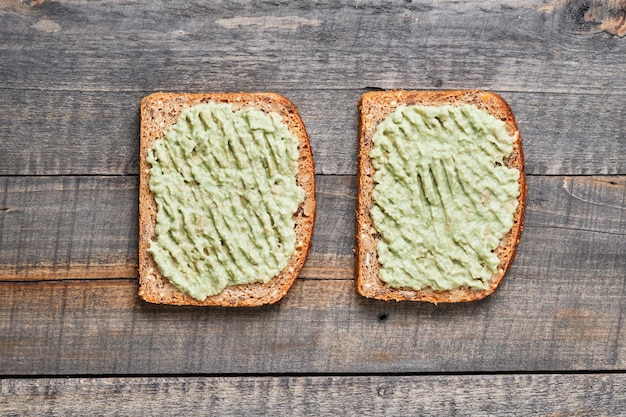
(374, 107)
(161, 110)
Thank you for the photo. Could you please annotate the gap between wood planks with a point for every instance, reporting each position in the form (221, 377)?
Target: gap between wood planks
(286, 89)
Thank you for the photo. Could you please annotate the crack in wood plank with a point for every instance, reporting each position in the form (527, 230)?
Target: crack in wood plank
(51, 272)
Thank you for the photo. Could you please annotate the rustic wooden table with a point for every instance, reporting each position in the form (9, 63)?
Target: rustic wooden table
(75, 338)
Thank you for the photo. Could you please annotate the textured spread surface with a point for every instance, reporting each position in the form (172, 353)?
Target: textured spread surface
(442, 198)
(225, 186)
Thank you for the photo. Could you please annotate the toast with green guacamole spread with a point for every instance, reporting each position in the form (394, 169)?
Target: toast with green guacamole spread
(441, 195)
(226, 198)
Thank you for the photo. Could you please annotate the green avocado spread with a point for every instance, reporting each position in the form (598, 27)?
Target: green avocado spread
(224, 183)
(443, 198)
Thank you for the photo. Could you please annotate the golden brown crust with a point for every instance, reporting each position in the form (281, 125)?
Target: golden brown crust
(374, 107)
(161, 110)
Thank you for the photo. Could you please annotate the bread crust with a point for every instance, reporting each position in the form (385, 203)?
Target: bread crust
(374, 107)
(161, 110)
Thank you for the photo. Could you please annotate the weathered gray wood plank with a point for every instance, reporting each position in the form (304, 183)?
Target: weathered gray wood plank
(53, 227)
(71, 77)
(86, 227)
(540, 319)
(551, 46)
(423, 395)
(97, 133)
(65, 133)
(582, 203)
(559, 308)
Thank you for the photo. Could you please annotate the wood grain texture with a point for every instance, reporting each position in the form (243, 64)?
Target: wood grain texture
(71, 78)
(64, 133)
(423, 395)
(74, 133)
(538, 320)
(73, 73)
(559, 308)
(86, 227)
(503, 46)
(68, 227)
